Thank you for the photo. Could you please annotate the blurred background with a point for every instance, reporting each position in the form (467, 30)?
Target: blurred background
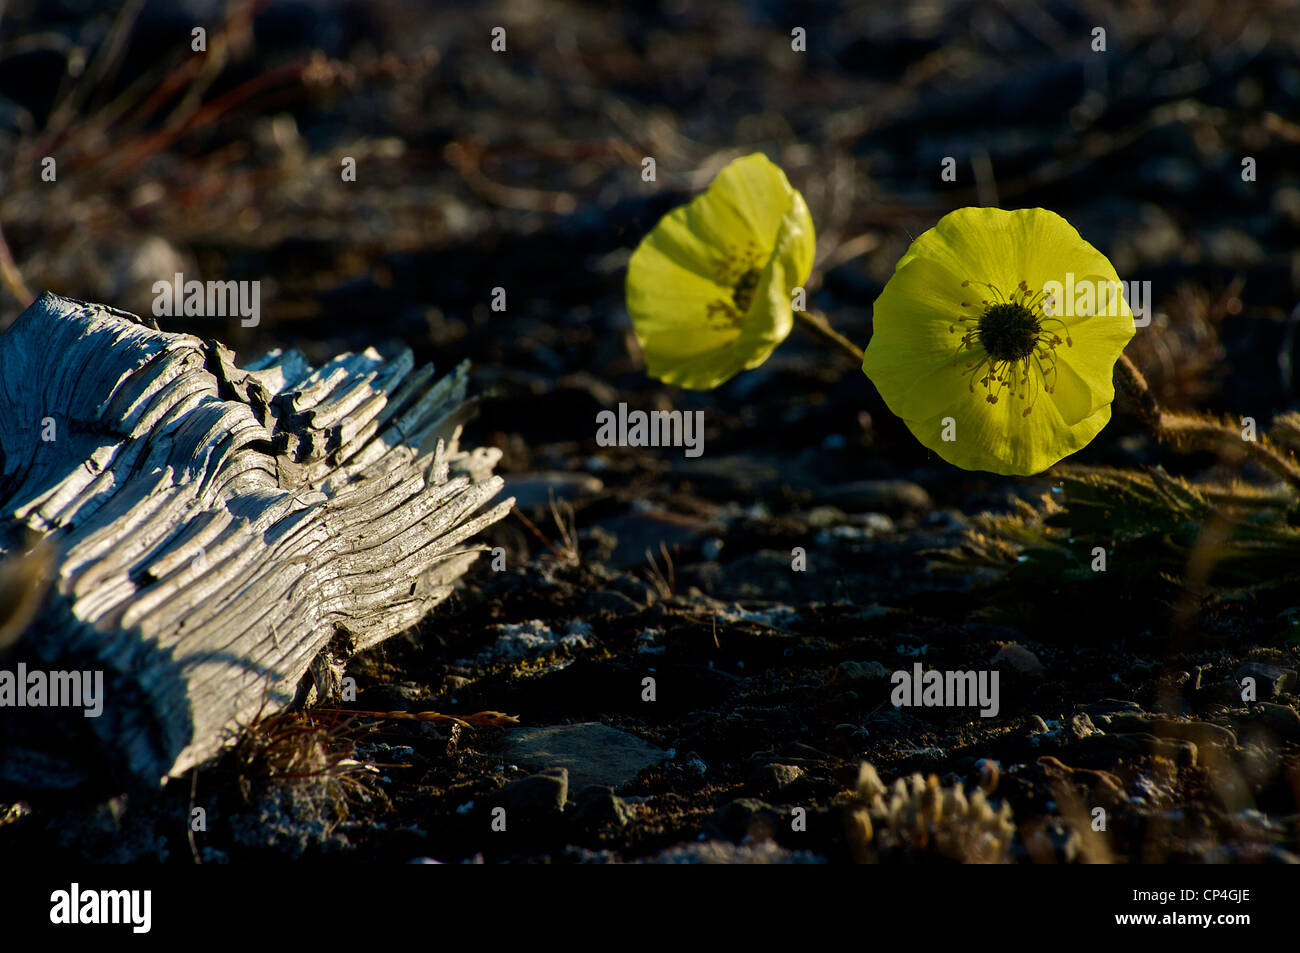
(520, 169)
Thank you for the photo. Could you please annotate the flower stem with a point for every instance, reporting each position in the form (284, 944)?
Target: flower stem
(1186, 432)
(816, 322)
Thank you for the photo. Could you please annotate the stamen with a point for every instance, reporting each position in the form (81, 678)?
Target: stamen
(1016, 343)
(739, 270)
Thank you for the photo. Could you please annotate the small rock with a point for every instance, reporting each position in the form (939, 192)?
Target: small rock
(1080, 727)
(541, 793)
(1019, 658)
(1199, 732)
(1109, 706)
(1270, 680)
(743, 818)
(694, 766)
(805, 754)
(599, 806)
(593, 754)
(886, 495)
(1103, 787)
(770, 778)
(861, 672)
(1181, 752)
(826, 517)
(454, 683)
(1280, 719)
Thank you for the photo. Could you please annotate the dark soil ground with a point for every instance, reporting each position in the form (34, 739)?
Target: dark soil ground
(771, 684)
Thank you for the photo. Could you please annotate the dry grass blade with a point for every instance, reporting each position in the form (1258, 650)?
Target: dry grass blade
(663, 580)
(291, 746)
(566, 524)
(479, 719)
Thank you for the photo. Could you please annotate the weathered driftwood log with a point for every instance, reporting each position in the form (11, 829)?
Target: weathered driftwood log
(221, 538)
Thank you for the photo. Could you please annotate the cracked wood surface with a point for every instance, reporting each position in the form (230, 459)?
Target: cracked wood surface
(223, 537)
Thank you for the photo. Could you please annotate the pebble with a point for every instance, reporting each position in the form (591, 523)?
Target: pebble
(1280, 719)
(1103, 787)
(743, 818)
(806, 754)
(1199, 732)
(826, 517)
(1019, 658)
(599, 806)
(541, 793)
(851, 671)
(1181, 752)
(1080, 726)
(1270, 680)
(875, 495)
(592, 753)
(770, 778)
(694, 765)
(1110, 706)
(987, 773)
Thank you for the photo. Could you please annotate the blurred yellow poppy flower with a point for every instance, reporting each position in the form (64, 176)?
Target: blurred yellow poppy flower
(709, 289)
(996, 339)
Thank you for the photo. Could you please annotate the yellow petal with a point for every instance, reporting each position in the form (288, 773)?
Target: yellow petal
(682, 279)
(1003, 441)
(1003, 248)
(796, 242)
(1096, 341)
(669, 304)
(913, 356)
(748, 201)
(771, 318)
(924, 374)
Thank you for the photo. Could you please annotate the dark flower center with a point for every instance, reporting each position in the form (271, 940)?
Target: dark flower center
(743, 293)
(1014, 347)
(1009, 331)
(740, 269)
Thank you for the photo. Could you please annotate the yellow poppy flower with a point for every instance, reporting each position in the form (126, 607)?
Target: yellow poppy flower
(996, 338)
(709, 289)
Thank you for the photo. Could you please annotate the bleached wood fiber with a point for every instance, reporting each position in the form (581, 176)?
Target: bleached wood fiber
(223, 537)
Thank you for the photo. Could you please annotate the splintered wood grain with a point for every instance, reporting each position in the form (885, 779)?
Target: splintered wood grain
(216, 528)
